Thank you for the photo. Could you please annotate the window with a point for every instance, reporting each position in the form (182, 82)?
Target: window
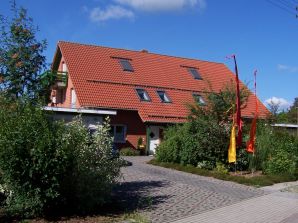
(64, 67)
(126, 65)
(119, 133)
(198, 99)
(143, 95)
(195, 73)
(73, 98)
(163, 96)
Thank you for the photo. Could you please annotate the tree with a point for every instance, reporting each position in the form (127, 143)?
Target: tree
(274, 107)
(21, 59)
(292, 114)
(220, 105)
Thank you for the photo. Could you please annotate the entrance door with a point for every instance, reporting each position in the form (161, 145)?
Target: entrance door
(154, 139)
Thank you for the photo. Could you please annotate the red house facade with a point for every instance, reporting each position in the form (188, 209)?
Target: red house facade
(142, 92)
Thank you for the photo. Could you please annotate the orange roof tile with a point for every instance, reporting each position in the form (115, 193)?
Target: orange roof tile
(100, 81)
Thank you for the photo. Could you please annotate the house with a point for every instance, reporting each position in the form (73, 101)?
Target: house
(142, 92)
(292, 129)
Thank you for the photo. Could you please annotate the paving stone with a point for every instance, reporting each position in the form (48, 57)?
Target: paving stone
(165, 195)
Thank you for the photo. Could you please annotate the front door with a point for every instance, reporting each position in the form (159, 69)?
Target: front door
(154, 139)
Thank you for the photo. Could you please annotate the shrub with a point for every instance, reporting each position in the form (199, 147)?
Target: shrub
(201, 142)
(280, 163)
(129, 152)
(221, 168)
(276, 152)
(169, 149)
(48, 166)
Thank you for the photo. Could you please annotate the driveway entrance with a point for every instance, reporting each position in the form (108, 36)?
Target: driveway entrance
(165, 195)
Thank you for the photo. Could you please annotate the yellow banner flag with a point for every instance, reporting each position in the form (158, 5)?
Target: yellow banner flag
(232, 147)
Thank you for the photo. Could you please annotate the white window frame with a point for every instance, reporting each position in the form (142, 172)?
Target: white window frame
(124, 133)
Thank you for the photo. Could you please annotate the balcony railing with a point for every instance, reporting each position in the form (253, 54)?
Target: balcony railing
(57, 78)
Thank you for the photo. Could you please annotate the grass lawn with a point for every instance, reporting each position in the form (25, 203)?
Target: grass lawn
(111, 213)
(116, 218)
(257, 181)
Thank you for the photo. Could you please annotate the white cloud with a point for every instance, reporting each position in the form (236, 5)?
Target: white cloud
(162, 5)
(111, 12)
(281, 103)
(287, 68)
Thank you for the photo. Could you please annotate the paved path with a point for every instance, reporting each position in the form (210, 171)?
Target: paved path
(166, 195)
(277, 207)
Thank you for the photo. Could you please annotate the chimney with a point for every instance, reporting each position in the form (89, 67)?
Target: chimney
(144, 51)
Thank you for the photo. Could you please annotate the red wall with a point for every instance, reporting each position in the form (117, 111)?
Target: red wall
(63, 96)
(135, 128)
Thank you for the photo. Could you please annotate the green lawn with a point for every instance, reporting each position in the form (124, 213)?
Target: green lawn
(257, 181)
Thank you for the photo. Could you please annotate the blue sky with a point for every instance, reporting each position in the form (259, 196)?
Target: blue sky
(262, 33)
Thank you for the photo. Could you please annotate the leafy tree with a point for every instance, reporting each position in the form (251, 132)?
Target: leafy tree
(21, 59)
(203, 141)
(292, 114)
(220, 105)
(274, 107)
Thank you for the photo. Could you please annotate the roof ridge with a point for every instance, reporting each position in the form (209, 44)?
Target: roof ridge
(138, 51)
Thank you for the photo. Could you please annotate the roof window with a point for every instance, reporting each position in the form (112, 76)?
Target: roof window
(198, 99)
(143, 95)
(163, 96)
(126, 65)
(195, 73)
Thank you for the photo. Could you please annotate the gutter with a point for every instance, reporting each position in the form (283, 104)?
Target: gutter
(80, 110)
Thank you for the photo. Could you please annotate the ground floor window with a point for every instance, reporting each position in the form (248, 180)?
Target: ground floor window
(119, 133)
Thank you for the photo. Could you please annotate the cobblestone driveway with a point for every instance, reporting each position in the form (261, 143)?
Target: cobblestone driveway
(165, 195)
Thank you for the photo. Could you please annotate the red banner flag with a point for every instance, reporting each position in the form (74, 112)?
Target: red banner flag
(238, 104)
(250, 146)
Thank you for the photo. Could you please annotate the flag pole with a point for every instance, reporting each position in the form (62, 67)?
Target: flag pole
(256, 101)
(238, 105)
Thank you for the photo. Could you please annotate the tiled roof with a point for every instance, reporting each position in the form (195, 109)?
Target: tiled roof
(100, 81)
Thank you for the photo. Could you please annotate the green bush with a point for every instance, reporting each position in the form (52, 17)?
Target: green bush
(280, 163)
(172, 139)
(221, 168)
(129, 152)
(201, 142)
(277, 151)
(48, 166)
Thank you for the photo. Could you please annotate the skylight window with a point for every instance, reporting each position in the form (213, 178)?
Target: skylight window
(198, 99)
(195, 73)
(143, 95)
(126, 65)
(163, 96)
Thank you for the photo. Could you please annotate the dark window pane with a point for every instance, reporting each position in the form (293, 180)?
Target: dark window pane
(163, 96)
(198, 99)
(126, 65)
(119, 129)
(195, 73)
(119, 134)
(112, 131)
(143, 95)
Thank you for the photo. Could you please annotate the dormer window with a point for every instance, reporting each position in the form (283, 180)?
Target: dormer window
(126, 65)
(143, 95)
(163, 96)
(198, 99)
(195, 73)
